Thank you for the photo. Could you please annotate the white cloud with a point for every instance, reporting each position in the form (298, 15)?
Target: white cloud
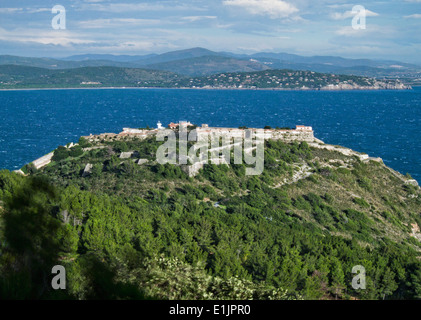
(273, 8)
(62, 37)
(128, 46)
(136, 7)
(197, 18)
(10, 10)
(38, 10)
(348, 31)
(351, 14)
(414, 16)
(24, 10)
(338, 6)
(107, 23)
(374, 32)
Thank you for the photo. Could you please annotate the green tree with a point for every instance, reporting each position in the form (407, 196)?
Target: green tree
(96, 170)
(337, 279)
(60, 153)
(387, 284)
(76, 151)
(32, 249)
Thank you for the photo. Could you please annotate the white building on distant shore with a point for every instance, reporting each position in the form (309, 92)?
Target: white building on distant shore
(303, 128)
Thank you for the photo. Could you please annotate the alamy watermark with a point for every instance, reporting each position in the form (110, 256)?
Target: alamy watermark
(358, 281)
(59, 21)
(215, 147)
(359, 20)
(58, 281)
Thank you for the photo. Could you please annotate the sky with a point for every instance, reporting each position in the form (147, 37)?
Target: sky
(304, 27)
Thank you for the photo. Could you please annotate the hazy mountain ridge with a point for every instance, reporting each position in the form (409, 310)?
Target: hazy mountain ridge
(191, 62)
(12, 76)
(208, 65)
(15, 77)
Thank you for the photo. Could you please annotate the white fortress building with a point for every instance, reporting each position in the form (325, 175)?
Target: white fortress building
(300, 133)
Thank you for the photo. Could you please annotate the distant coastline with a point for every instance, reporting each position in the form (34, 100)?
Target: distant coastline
(21, 77)
(210, 88)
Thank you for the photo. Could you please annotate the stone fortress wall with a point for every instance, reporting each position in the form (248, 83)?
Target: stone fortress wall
(300, 133)
(204, 132)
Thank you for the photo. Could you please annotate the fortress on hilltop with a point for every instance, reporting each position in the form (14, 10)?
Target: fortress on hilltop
(207, 133)
(301, 133)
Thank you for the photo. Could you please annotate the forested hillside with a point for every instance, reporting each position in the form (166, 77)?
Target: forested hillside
(135, 231)
(24, 77)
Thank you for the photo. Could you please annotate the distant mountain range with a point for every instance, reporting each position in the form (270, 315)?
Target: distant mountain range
(203, 62)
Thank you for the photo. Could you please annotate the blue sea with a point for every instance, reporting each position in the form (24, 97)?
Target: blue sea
(384, 124)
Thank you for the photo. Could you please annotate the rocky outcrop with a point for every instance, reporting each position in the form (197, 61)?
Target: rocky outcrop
(129, 154)
(87, 170)
(377, 85)
(43, 161)
(415, 231)
(412, 182)
(343, 150)
(141, 161)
